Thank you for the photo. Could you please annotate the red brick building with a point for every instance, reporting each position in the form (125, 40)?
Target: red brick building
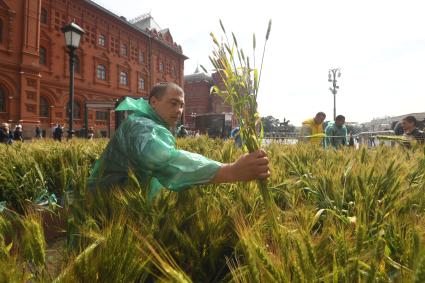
(116, 58)
(203, 109)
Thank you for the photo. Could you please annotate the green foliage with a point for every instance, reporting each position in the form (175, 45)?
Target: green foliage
(344, 216)
(30, 170)
(270, 123)
(33, 243)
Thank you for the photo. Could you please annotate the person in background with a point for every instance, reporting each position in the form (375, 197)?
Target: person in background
(411, 130)
(90, 133)
(57, 133)
(10, 134)
(17, 134)
(38, 132)
(371, 140)
(225, 135)
(182, 132)
(54, 132)
(4, 132)
(236, 136)
(312, 127)
(351, 140)
(336, 133)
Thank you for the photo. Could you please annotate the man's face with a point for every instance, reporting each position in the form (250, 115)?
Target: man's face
(169, 107)
(407, 126)
(319, 119)
(340, 122)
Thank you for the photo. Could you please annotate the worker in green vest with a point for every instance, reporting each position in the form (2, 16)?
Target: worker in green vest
(336, 133)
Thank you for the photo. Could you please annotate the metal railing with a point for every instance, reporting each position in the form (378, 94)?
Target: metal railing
(370, 138)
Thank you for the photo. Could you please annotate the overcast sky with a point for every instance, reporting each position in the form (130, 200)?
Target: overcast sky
(379, 46)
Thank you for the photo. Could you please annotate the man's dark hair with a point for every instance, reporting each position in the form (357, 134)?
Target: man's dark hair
(411, 119)
(321, 114)
(340, 118)
(159, 89)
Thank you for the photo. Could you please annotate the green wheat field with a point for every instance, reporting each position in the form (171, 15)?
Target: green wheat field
(342, 216)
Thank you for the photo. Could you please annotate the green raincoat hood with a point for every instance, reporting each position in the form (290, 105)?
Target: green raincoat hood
(141, 108)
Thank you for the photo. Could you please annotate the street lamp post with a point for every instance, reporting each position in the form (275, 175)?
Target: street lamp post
(333, 73)
(73, 35)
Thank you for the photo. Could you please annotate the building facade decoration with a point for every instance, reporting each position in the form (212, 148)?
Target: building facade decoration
(116, 58)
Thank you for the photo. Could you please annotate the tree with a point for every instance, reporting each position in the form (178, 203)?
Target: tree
(270, 123)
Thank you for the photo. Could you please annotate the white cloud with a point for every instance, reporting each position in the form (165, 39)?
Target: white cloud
(379, 45)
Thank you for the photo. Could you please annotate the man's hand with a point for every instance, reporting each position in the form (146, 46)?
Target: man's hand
(248, 167)
(251, 166)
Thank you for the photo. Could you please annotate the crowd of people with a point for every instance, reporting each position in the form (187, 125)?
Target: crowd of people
(183, 132)
(330, 134)
(8, 136)
(334, 134)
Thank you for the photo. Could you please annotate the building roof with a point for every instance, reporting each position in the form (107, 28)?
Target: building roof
(197, 77)
(150, 33)
(145, 21)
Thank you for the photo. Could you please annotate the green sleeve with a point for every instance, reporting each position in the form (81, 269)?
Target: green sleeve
(155, 153)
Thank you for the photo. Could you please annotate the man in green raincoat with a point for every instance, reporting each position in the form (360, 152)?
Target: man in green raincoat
(145, 145)
(336, 133)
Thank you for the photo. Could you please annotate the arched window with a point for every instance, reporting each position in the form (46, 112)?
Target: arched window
(2, 100)
(141, 83)
(77, 110)
(161, 66)
(77, 65)
(1, 31)
(101, 72)
(43, 16)
(123, 78)
(43, 56)
(44, 107)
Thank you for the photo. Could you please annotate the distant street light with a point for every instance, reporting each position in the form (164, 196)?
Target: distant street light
(333, 73)
(73, 35)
